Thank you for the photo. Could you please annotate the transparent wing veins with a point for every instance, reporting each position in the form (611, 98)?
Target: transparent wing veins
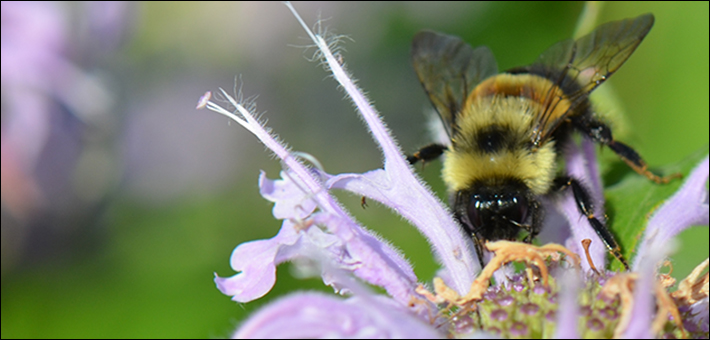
(583, 65)
(449, 69)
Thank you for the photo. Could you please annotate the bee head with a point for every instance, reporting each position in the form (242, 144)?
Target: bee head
(494, 212)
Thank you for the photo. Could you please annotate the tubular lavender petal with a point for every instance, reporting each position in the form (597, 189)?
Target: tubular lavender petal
(426, 212)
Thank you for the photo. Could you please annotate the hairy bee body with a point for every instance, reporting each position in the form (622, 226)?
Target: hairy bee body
(493, 141)
(507, 130)
(492, 157)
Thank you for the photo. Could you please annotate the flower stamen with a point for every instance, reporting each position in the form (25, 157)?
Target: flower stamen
(508, 251)
(666, 280)
(505, 252)
(666, 306)
(693, 288)
(585, 244)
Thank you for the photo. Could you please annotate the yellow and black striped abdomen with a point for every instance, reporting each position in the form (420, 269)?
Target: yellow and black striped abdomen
(493, 137)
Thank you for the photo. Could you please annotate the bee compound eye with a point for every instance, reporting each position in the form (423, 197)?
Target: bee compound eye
(477, 210)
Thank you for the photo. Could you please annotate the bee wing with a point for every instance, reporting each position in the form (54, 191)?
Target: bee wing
(578, 67)
(449, 69)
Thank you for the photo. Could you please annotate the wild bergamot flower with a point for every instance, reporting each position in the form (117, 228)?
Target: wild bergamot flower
(562, 292)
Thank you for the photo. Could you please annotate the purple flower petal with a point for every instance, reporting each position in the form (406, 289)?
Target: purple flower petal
(256, 263)
(701, 314)
(290, 201)
(568, 311)
(399, 188)
(582, 166)
(455, 249)
(315, 315)
(644, 302)
(342, 241)
(686, 208)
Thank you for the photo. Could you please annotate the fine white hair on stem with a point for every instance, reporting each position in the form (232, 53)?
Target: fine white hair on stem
(333, 42)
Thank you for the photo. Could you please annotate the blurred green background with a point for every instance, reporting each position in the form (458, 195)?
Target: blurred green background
(126, 219)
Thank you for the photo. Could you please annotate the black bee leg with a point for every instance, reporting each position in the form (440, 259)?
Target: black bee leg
(534, 228)
(477, 239)
(584, 204)
(601, 133)
(537, 217)
(427, 153)
(478, 243)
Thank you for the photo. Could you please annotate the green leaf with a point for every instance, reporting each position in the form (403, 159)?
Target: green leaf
(632, 198)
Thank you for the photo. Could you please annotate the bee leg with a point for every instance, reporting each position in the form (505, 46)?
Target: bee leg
(427, 153)
(537, 217)
(478, 243)
(584, 204)
(478, 240)
(461, 216)
(601, 133)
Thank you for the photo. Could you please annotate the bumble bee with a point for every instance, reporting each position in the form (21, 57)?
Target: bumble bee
(507, 130)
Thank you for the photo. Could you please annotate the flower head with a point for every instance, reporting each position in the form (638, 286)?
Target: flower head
(551, 297)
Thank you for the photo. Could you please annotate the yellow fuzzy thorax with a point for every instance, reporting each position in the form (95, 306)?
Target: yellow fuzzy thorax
(466, 164)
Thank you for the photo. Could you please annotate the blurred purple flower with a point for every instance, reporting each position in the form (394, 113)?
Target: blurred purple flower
(52, 99)
(316, 315)
(316, 228)
(40, 81)
(33, 39)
